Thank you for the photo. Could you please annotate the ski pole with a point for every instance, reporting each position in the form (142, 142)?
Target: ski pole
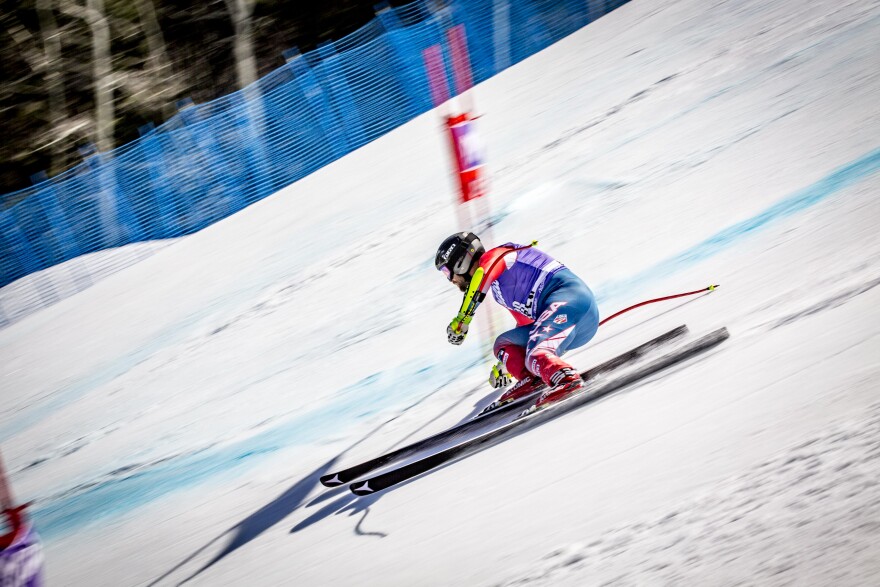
(646, 302)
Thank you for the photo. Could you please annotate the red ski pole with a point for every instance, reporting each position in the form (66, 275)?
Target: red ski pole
(646, 302)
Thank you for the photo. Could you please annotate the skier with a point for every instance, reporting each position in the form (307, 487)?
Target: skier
(21, 555)
(555, 311)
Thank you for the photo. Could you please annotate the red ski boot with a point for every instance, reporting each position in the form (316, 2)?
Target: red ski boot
(565, 382)
(525, 386)
(521, 388)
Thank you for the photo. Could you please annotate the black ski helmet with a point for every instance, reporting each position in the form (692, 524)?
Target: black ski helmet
(458, 253)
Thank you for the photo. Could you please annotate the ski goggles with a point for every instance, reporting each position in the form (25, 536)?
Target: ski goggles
(462, 265)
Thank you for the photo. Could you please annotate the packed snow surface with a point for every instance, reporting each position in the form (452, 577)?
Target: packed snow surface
(170, 422)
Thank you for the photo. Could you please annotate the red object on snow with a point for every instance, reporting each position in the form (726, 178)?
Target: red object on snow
(13, 514)
(467, 149)
(467, 152)
(16, 525)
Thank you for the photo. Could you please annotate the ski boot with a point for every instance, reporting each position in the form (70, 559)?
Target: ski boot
(565, 382)
(520, 389)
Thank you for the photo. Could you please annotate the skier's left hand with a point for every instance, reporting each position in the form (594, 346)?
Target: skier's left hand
(456, 331)
(499, 377)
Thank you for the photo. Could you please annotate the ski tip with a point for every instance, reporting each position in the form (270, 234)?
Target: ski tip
(527, 412)
(483, 412)
(488, 410)
(713, 287)
(361, 488)
(332, 480)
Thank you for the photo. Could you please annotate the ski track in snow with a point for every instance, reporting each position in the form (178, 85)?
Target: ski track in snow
(809, 516)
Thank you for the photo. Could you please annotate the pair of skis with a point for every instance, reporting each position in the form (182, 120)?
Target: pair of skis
(494, 435)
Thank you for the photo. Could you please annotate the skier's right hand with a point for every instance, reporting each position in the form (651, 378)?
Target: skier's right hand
(457, 330)
(499, 377)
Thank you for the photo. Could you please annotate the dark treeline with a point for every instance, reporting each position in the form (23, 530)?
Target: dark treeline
(79, 72)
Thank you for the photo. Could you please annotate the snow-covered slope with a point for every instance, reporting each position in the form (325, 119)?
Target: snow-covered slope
(171, 421)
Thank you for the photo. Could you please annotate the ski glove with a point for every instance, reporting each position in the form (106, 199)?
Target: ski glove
(457, 329)
(499, 377)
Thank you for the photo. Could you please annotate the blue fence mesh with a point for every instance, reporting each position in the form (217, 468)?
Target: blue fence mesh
(211, 160)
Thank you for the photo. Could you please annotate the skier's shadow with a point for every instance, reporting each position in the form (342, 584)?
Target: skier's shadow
(345, 502)
(257, 523)
(281, 508)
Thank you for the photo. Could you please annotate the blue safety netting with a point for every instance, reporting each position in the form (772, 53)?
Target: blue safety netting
(211, 160)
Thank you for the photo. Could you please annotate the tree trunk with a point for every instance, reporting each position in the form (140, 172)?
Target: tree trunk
(105, 116)
(156, 60)
(54, 80)
(241, 13)
(158, 65)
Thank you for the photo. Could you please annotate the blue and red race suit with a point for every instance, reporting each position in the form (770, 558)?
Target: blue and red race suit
(554, 309)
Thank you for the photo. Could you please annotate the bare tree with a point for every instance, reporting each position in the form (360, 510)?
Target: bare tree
(156, 59)
(54, 80)
(105, 115)
(241, 12)
(43, 58)
(158, 65)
